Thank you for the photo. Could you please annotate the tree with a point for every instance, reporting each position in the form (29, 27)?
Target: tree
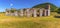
(58, 11)
(13, 10)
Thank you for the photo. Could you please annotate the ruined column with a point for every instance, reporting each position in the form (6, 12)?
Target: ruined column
(21, 12)
(28, 12)
(25, 13)
(45, 13)
(16, 13)
(34, 13)
(41, 12)
(11, 14)
(7, 12)
(48, 10)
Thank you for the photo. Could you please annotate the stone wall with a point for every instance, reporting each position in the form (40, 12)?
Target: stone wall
(28, 12)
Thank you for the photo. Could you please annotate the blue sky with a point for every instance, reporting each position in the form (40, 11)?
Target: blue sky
(24, 3)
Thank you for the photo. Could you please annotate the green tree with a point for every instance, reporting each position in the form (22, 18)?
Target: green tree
(58, 11)
(13, 10)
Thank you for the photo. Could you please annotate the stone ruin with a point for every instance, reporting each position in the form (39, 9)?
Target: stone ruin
(28, 12)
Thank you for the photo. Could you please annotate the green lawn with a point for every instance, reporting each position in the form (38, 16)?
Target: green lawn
(29, 22)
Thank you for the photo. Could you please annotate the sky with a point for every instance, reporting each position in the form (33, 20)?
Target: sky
(24, 3)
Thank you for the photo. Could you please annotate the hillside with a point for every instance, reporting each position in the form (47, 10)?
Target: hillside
(43, 5)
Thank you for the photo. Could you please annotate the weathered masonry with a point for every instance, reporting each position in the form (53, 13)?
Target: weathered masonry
(28, 12)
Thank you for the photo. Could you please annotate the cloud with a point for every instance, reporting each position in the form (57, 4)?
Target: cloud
(11, 4)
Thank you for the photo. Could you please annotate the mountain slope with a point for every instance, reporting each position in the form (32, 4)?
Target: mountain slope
(43, 5)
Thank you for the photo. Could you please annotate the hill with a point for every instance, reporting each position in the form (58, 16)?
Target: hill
(43, 5)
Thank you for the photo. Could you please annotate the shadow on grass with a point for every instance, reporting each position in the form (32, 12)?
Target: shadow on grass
(56, 16)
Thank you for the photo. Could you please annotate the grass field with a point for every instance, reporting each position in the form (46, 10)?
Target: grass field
(29, 22)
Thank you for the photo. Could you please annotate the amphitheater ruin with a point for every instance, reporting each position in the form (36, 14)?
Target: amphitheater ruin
(28, 12)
